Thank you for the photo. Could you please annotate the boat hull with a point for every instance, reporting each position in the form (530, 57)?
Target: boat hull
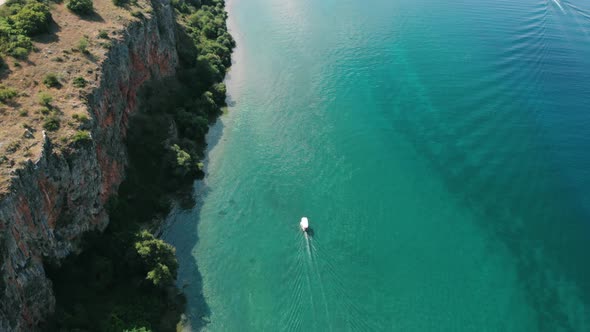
(304, 224)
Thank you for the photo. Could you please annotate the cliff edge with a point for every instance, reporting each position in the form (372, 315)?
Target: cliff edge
(57, 183)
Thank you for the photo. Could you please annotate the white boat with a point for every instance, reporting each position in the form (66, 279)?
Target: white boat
(304, 223)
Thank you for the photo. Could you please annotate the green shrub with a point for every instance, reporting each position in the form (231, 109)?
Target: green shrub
(23, 113)
(80, 117)
(137, 13)
(45, 110)
(106, 44)
(32, 19)
(103, 34)
(50, 80)
(19, 52)
(181, 161)
(81, 7)
(79, 82)
(45, 98)
(218, 93)
(120, 3)
(17, 23)
(82, 45)
(158, 258)
(82, 136)
(138, 329)
(7, 93)
(51, 123)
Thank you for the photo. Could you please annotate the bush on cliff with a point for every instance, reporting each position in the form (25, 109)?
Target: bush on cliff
(120, 3)
(45, 99)
(80, 7)
(50, 80)
(82, 45)
(13, 41)
(19, 20)
(81, 136)
(138, 329)
(7, 93)
(33, 18)
(51, 123)
(79, 82)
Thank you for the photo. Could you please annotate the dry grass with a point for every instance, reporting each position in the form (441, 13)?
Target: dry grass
(55, 53)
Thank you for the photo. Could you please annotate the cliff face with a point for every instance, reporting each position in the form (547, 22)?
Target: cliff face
(56, 199)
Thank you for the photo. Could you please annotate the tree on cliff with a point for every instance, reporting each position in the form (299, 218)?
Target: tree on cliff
(158, 259)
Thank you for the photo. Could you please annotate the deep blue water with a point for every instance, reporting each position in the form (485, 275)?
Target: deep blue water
(439, 148)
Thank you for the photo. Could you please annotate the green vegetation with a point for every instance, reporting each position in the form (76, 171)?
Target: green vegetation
(82, 136)
(106, 44)
(106, 287)
(141, 329)
(50, 80)
(80, 117)
(7, 94)
(45, 110)
(80, 7)
(137, 13)
(82, 45)
(120, 3)
(33, 18)
(23, 113)
(79, 82)
(158, 259)
(45, 99)
(20, 20)
(103, 34)
(183, 163)
(51, 123)
(123, 280)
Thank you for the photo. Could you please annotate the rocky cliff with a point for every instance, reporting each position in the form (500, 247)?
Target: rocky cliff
(55, 199)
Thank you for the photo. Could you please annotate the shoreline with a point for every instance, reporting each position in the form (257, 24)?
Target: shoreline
(187, 265)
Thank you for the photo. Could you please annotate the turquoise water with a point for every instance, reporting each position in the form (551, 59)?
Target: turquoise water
(439, 149)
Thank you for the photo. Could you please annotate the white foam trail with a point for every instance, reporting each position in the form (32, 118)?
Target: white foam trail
(291, 316)
(321, 283)
(559, 5)
(309, 279)
(356, 317)
(308, 245)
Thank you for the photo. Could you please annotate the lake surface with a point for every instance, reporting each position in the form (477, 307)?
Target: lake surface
(440, 149)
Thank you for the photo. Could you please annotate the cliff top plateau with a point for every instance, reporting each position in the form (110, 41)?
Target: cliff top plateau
(44, 93)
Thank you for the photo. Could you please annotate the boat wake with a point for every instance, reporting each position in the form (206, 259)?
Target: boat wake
(315, 281)
(308, 245)
(316, 271)
(559, 5)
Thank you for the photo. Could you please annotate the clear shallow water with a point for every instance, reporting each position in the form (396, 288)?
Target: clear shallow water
(439, 148)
